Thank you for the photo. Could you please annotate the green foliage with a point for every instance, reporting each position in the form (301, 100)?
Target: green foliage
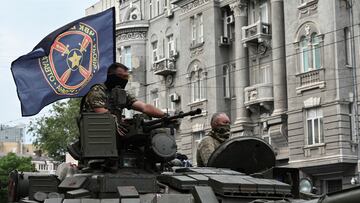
(9, 163)
(53, 133)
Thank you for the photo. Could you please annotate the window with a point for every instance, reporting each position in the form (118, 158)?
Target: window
(264, 12)
(252, 12)
(171, 104)
(310, 52)
(157, 8)
(197, 80)
(197, 29)
(120, 54)
(232, 80)
(197, 136)
(154, 51)
(226, 81)
(201, 28)
(193, 30)
(304, 54)
(150, 8)
(314, 125)
(348, 46)
(333, 185)
(265, 74)
(316, 57)
(155, 99)
(171, 47)
(127, 57)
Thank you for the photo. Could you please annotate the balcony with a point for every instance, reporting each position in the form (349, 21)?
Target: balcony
(255, 33)
(310, 80)
(164, 67)
(261, 94)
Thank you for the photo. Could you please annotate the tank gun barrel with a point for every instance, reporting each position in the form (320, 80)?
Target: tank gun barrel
(169, 119)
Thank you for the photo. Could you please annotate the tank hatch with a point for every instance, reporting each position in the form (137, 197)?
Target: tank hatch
(244, 154)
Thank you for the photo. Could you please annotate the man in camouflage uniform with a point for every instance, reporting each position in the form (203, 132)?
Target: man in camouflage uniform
(97, 99)
(220, 131)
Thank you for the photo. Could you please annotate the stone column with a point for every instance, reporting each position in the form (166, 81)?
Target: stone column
(241, 61)
(278, 56)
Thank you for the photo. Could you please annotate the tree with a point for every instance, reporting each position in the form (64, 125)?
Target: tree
(9, 163)
(53, 133)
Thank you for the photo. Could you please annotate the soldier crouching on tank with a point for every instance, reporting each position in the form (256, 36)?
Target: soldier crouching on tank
(220, 132)
(97, 99)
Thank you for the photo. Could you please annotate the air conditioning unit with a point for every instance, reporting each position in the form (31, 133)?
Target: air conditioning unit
(229, 19)
(175, 97)
(224, 40)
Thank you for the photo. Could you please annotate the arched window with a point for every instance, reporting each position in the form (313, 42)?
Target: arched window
(197, 84)
(309, 47)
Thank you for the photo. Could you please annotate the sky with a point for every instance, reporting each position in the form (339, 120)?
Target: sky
(23, 24)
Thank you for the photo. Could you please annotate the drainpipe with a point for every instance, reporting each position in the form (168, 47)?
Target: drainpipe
(355, 89)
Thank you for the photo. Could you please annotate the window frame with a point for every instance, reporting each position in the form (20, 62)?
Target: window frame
(150, 9)
(154, 48)
(226, 81)
(264, 5)
(197, 29)
(197, 136)
(348, 46)
(155, 100)
(128, 57)
(315, 46)
(170, 44)
(315, 119)
(197, 85)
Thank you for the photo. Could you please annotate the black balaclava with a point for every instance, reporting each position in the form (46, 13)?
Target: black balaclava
(113, 80)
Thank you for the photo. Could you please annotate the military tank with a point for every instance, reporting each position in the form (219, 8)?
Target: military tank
(140, 168)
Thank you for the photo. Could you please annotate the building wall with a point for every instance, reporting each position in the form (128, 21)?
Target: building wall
(276, 108)
(332, 93)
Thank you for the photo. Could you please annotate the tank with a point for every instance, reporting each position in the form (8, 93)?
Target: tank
(142, 168)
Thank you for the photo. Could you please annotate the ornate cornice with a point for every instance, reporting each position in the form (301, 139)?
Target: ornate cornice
(192, 5)
(239, 7)
(131, 36)
(196, 51)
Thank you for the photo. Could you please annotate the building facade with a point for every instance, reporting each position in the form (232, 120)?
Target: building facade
(284, 71)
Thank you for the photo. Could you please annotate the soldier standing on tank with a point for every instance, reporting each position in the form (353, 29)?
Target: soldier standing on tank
(220, 132)
(97, 99)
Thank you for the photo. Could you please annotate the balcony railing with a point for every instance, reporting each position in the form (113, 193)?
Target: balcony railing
(310, 80)
(259, 94)
(256, 33)
(164, 67)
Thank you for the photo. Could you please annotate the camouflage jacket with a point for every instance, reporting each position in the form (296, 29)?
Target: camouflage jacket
(207, 146)
(98, 97)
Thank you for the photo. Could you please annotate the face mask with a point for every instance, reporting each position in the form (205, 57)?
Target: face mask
(113, 80)
(223, 130)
